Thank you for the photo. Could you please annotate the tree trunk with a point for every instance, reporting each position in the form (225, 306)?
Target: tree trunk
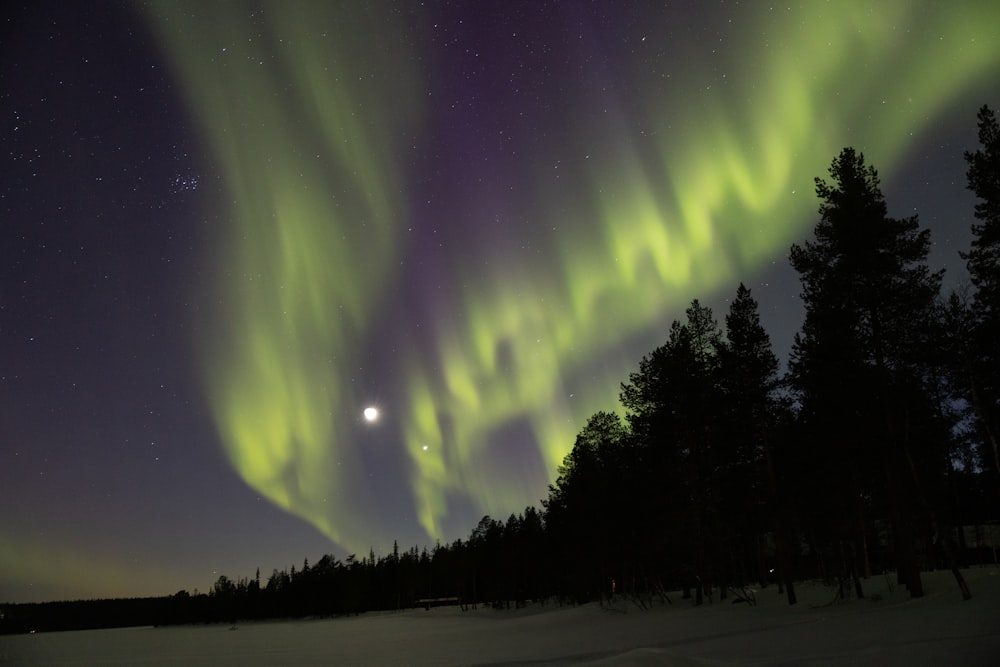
(860, 537)
(949, 552)
(907, 568)
(780, 544)
(858, 591)
(984, 418)
(900, 509)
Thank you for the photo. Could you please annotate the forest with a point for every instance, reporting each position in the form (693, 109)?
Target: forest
(866, 458)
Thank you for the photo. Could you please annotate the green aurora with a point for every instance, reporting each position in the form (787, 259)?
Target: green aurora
(693, 181)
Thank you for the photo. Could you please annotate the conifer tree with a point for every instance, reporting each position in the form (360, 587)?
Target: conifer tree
(856, 364)
(584, 506)
(748, 378)
(672, 404)
(983, 262)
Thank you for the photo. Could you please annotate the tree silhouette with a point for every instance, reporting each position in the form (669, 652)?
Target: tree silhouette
(673, 403)
(983, 262)
(869, 300)
(583, 507)
(748, 379)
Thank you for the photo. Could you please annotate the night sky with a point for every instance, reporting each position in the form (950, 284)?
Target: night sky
(228, 228)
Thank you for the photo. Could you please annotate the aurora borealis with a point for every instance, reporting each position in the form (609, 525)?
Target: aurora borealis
(475, 217)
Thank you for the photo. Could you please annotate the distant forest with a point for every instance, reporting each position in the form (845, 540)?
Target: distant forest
(867, 457)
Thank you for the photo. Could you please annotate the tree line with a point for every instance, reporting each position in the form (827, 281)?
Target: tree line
(866, 456)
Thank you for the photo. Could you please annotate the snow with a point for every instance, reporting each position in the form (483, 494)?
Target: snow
(937, 629)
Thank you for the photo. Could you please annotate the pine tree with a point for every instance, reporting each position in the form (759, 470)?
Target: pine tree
(983, 259)
(749, 372)
(869, 298)
(584, 507)
(749, 375)
(672, 405)
(983, 262)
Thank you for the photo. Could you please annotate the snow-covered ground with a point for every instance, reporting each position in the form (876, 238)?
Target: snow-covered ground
(939, 629)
